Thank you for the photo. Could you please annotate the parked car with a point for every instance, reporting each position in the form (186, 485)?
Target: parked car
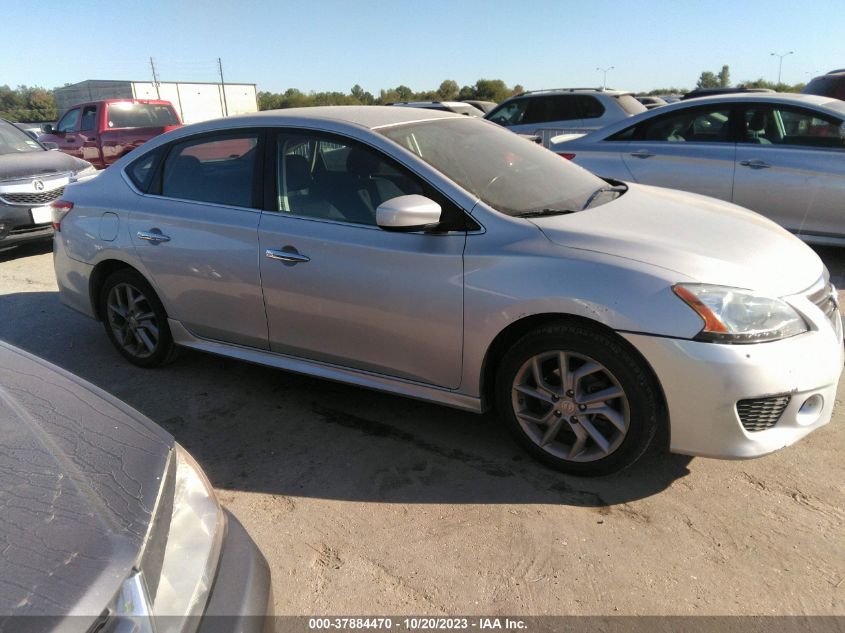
(714, 92)
(103, 131)
(651, 102)
(458, 107)
(782, 155)
(444, 258)
(30, 179)
(107, 524)
(484, 106)
(548, 113)
(831, 84)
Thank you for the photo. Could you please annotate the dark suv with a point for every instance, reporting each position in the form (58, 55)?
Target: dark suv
(548, 113)
(830, 85)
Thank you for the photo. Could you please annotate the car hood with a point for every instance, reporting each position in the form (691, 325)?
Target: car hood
(700, 238)
(80, 474)
(32, 164)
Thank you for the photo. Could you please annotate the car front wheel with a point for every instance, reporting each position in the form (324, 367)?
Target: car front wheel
(578, 399)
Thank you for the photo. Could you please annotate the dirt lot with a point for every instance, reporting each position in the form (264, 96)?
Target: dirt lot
(365, 503)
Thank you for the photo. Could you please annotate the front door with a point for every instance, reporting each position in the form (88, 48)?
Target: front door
(339, 289)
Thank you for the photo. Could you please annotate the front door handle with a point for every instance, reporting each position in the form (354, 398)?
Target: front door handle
(153, 235)
(290, 257)
(754, 164)
(642, 153)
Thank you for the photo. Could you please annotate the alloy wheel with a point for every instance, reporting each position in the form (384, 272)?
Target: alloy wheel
(570, 405)
(133, 321)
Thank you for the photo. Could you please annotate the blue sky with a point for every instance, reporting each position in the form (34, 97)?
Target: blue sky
(332, 45)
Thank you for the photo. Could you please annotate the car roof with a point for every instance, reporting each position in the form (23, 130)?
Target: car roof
(829, 105)
(370, 117)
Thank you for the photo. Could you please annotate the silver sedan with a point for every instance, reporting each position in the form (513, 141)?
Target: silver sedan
(442, 257)
(782, 155)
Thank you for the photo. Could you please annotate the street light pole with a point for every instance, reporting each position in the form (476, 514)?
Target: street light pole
(780, 61)
(604, 80)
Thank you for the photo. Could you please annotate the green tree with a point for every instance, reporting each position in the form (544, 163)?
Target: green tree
(491, 90)
(448, 90)
(707, 80)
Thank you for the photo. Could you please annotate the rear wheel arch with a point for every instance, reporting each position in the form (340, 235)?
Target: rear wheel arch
(102, 271)
(509, 336)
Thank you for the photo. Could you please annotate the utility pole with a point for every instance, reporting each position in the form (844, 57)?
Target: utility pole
(223, 88)
(155, 78)
(780, 63)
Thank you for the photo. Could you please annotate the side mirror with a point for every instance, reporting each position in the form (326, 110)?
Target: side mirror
(50, 145)
(408, 214)
(47, 128)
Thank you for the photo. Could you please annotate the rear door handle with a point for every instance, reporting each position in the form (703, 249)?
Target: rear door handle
(153, 235)
(290, 257)
(643, 153)
(754, 164)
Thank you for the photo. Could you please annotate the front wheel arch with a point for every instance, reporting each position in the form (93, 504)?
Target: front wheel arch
(505, 339)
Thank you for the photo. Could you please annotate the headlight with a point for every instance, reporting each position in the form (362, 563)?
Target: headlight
(84, 174)
(732, 315)
(194, 537)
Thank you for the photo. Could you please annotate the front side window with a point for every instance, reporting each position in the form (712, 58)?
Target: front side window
(69, 121)
(332, 179)
(699, 125)
(510, 113)
(504, 170)
(218, 169)
(774, 125)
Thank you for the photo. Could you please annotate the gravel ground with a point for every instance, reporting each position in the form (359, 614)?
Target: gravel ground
(365, 503)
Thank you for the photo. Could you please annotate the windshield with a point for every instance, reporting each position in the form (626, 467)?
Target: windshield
(123, 115)
(15, 141)
(509, 173)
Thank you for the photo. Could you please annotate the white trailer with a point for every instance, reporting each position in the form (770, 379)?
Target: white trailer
(194, 101)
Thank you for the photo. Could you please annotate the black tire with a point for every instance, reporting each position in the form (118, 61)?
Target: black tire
(639, 410)
(133, 346)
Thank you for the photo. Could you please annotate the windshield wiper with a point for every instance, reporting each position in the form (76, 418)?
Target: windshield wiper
(620, 189)
(539, 213)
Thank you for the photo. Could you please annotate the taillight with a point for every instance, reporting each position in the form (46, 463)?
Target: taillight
(566, 155)
(60, 210)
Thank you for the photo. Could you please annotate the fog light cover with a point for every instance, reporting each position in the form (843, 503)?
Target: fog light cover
(810, 411)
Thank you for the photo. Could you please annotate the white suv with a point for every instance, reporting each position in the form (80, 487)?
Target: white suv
(548, 113)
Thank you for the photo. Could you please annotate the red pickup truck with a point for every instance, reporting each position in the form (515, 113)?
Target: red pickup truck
(103, 131)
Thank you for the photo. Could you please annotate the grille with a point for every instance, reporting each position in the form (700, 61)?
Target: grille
(759, 414)
(826, 300)
(33, 199)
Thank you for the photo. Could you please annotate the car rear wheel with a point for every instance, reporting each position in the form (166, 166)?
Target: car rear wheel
(578, 399)
(135, 320)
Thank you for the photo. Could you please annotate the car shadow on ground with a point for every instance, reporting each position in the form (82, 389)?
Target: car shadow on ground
(30, 249)
(262, 430)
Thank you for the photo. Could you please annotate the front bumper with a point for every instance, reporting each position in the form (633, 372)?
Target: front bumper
(17, 226)
(703, 382)
(241, 599)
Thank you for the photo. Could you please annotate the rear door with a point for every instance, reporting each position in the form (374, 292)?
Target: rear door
(197, 235)
(691, 149)
(791, 168)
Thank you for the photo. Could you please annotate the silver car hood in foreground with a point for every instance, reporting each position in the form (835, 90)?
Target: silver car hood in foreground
(700, 238)
(79, 477)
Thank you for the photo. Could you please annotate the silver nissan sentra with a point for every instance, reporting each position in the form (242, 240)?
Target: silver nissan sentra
(444, 258)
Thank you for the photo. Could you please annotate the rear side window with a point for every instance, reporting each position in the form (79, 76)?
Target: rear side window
(561, 108)
(219, 168)
(129, 115)
(591, 108)
(630, 104)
